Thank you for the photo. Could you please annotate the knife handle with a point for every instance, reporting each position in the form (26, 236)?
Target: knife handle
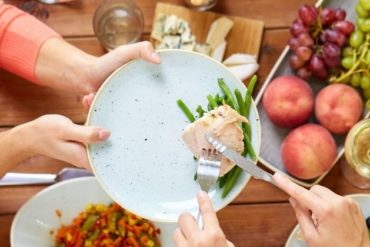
(12, 178)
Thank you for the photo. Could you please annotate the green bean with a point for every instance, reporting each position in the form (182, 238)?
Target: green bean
(241, 103)
(195, 176)
(249, 147)
(186, 110)
(222, 180)
(230, 103)
(212, 101)
(89, 222)
(248, 130)
(231, 180)
(200, 111)
(248, 95)
(228, 93)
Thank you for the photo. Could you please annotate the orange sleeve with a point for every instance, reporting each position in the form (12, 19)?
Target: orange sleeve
(21, 37)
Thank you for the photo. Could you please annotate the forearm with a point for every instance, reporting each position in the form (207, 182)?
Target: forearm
(13, 149)
(63, 66)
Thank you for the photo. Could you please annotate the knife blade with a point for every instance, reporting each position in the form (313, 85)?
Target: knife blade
(12, 178)
(244, 163)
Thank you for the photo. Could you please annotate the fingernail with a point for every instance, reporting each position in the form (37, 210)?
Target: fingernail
(103, 134)
(155, 56)
(202, 194)
(293, 202)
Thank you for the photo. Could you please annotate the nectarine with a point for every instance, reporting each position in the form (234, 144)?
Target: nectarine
(338, 107)
(288, 101)
(308, 151)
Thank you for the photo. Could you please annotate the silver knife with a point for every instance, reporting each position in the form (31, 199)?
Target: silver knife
(244, 163)
(12, 178)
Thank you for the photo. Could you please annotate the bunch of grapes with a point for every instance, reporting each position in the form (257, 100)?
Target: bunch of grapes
(356, 56)
(318, 36)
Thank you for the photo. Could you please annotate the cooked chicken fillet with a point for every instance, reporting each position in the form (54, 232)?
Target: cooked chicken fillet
(224, 124)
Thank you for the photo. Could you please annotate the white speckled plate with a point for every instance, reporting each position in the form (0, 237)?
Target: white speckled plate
(32, 225)
(295, 240)
(145, 166)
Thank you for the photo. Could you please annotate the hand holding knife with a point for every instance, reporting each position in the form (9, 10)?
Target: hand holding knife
(244, 163)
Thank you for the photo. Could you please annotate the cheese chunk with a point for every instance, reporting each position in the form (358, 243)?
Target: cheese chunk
(218, 31)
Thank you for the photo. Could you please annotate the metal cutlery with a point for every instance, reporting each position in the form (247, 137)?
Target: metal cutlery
(244, 163)
(207, 173)
(42, 178)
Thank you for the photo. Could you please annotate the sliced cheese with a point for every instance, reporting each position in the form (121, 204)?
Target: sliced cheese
(239, 58)
(171, 25)
(244, 71)
(218, 31)
(203, 48)
(218, 53)
(157, 32)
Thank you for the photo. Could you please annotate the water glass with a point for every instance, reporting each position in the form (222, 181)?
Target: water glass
(118, 22)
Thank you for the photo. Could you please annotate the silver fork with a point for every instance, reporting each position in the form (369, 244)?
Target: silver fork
(207, 173)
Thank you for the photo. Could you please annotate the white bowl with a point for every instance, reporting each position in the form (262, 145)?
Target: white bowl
(145, 165)
(36, 219)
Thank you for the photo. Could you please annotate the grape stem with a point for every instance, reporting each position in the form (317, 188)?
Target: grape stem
(353, 70)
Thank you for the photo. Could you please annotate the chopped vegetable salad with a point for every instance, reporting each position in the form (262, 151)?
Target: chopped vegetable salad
(111, 226)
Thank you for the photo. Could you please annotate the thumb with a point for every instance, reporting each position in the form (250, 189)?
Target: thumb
(87, 101)
(86, 134)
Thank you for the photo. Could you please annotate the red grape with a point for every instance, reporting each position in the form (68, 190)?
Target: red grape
(304, 73)
(298, 28)
(317, 66)
(331, 55)
(334, 36)
(340, 14)
(345, 27)
(304, 53)
(304, 39)
(293, 44)
(318, 36)
(332, 62)
(328, 16)
(296, 62)
(308, 14)
(331, 50)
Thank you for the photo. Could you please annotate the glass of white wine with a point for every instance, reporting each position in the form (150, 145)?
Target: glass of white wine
(118, 22)
(356, 166)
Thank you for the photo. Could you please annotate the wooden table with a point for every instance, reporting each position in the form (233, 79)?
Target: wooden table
(259, 216)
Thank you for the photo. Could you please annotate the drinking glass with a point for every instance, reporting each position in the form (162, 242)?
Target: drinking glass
(356, 165)
(201, 5)
(118, 22)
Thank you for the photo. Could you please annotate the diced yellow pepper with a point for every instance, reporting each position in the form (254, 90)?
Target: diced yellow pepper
(100, 207)
(69, 236)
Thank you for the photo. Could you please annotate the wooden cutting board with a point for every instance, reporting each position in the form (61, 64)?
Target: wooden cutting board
(244, 37)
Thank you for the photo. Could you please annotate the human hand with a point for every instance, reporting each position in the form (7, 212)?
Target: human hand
(189, 234)
(326, 219)
(58, 137)
(102, 67)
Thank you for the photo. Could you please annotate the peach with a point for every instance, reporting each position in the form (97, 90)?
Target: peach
(308, 151)
(288, 101)
(338, 107)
